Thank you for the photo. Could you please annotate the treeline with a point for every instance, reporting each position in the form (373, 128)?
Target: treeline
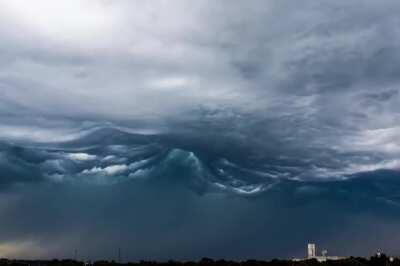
(381, 260)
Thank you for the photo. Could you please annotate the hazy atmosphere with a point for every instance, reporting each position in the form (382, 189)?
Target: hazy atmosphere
(187, 129)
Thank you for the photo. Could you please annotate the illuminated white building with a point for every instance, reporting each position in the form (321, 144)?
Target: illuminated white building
(312, 254)
(311, 250)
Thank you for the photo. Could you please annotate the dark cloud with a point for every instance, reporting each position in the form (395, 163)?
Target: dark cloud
(207, 130)
(383, 96)
(163, 220)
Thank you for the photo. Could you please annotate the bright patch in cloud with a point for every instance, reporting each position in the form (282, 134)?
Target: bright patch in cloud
(71, 20)
(109, 170)
(81, 156)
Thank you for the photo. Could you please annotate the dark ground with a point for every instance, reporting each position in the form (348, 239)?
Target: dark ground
(382, 260)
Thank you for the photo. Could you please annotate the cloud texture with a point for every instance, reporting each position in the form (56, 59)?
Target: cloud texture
(212, 106)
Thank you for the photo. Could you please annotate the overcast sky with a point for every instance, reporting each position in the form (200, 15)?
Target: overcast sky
(311, 87)
(318, 73)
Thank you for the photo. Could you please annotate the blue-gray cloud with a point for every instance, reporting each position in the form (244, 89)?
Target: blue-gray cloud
(213, 106)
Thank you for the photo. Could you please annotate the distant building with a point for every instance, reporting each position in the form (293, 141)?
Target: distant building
(312, 251)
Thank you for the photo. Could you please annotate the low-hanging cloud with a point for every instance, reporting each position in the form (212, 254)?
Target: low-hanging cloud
(209, 105)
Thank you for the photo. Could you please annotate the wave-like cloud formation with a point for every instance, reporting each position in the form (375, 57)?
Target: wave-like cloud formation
(314, 95)
(107, 155)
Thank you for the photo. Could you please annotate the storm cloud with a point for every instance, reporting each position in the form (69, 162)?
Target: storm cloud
(148, 122)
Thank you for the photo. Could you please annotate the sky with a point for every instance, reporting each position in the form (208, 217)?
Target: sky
(188, 129)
